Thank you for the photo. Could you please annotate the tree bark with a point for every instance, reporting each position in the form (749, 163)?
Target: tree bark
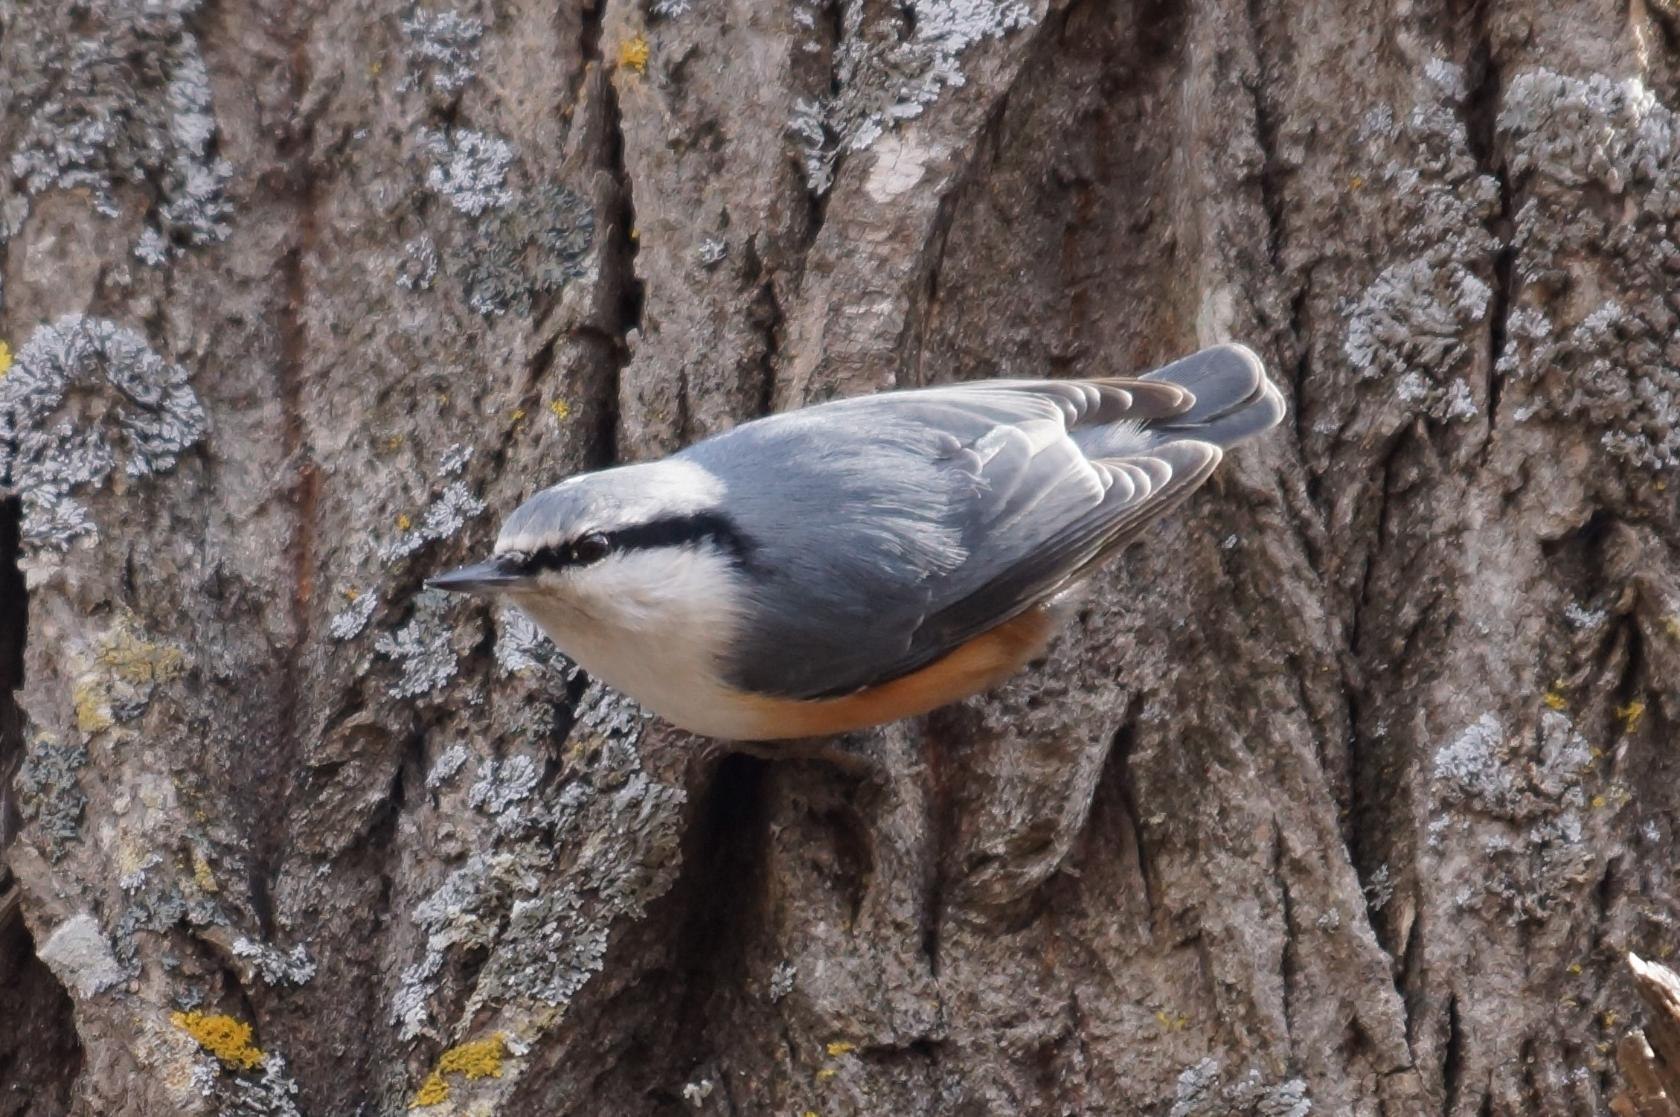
(1347, 792)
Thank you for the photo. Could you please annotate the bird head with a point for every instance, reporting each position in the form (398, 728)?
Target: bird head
(605, 546)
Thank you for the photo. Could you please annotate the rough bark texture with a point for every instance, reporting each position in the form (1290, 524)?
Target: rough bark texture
(1346, 793)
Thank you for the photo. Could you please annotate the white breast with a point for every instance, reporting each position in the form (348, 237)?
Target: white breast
(653, 624)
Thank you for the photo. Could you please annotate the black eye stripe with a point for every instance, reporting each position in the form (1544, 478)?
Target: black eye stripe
(672, 531)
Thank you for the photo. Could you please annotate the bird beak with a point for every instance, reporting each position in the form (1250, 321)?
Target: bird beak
(493, 575)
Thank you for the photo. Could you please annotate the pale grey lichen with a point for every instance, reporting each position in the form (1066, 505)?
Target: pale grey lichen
(469, 168)
(1449, 76)
(1471, 762)
(273, 1094)
(1197, 1093)
(49, 793)
(83, 397)
(1378, 123)
(80, 956)
(504, 245)
(782, 979)
(503, 784)
(157, 906)
(454, 460)
(419, 265)
(1527, 795)
(447, 765)
(423, 648)
(1379, 889)
(129, 103)
(670, 9)
(276, 967)
(521, 646)
(696, 1093)
(443, 517)
(349, 622)
(1195, 1089)
(605, 711)
(1599, 159)
(712, 252)
(892, 63)
(450, 511)
(442, 50)
(1413, 327)
(504, 242)
(618, 829)
(536, 246)
(1419, 324)
(1593, 129)
(195, 204)
(1579, 616)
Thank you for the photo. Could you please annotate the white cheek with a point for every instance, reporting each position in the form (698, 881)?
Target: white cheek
(653, 624)
(669, 588)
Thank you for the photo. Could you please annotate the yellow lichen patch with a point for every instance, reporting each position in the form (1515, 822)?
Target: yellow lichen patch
(202, 876)
(633, 55)
(481, 1058)
(93, 710)
(391, 443)
(138, 661)
(561, 409)
(1356, 183)
(519, 414)
(5, 358)
(223, 1036)
(1598, 802)
(826, 1073)
(1171, 1021)
(839, 1048)
(431, 1091)
(404, 521)
(1555, 700)
(132, 859)
(351, 593)
(1630, 714)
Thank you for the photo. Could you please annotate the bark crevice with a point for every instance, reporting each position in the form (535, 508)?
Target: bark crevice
(623, 290)
(40, 1052)
(1481, 111)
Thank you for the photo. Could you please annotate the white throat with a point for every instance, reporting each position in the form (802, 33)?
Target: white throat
(654, 624)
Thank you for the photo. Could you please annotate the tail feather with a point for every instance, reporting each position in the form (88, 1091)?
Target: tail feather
(1235, 400)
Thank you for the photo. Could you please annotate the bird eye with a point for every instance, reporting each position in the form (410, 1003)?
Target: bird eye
(589, 548)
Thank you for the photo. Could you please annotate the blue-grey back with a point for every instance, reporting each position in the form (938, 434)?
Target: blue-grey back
(890, 529)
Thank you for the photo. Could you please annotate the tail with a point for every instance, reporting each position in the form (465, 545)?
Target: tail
(1235, 400)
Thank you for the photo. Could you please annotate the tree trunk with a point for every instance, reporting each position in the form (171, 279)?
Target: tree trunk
(1345, 794)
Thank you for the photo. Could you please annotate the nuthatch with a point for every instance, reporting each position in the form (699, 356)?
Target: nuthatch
(869, 559)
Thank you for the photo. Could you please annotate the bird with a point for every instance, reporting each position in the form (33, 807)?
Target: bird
(859, 561)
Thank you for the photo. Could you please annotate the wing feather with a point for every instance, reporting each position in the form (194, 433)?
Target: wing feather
(994, 508)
